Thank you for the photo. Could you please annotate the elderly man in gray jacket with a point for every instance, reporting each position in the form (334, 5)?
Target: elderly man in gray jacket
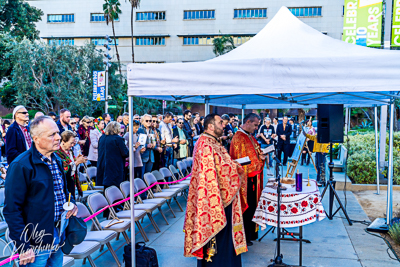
(151, 144)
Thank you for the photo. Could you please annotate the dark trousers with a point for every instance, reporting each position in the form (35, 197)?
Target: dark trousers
(285, 149)
(226, 255)
(250, 226)
(320, 159)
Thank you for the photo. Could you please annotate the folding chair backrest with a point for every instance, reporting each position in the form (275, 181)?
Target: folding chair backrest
(82, 177)
(9, 248)
(97, 201)
(139, 184)
(83, 211)
(2, 196)
(91, 172)
(158, 176)
(165, 172)
(182, 167)
(149, 178)
(113, 194)
(174, 172)
(125, 188)
(5, 249)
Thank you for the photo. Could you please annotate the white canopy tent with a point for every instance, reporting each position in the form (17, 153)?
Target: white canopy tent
(287, 64)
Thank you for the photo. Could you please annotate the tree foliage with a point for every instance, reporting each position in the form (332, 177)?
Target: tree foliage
(112, 10)
(223, 45)
(50, 77)
(18, 19)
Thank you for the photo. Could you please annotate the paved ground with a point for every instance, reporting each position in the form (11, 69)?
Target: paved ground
(333, 242)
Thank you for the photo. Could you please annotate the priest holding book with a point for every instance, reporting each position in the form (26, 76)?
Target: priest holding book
(245, 145)
(213, 226)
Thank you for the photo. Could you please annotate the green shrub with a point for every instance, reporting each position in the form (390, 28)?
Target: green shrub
(361, 163)
(394, 232)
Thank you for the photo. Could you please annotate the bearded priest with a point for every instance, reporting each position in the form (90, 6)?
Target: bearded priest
(213, 226)
(245, 145)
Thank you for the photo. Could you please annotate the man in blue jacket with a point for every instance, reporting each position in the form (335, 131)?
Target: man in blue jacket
(63, 122)
(18, 139)
(35, 192)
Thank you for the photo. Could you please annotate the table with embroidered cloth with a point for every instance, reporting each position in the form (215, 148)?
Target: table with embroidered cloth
(297, 209)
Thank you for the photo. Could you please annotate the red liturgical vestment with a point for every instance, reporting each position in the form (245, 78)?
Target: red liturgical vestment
(215, 183)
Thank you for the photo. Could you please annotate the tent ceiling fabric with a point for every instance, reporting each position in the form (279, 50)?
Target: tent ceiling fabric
(285, 58)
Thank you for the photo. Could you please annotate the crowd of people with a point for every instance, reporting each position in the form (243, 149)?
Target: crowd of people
(65, 144)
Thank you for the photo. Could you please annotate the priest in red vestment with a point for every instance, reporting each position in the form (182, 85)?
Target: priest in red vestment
(245, 145)
(213, 226)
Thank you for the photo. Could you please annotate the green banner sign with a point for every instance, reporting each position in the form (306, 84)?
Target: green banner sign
(396, 24)
(363, 22)
(112, 106)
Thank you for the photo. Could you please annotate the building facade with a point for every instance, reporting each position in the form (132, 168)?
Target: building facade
(177, 31)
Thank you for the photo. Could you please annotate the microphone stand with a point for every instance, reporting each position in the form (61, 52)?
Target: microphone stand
(279, 257)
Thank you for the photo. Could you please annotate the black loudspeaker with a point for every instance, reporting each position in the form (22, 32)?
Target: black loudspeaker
(330, 123)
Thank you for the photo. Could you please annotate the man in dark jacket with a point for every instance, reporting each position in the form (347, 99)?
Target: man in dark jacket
(63, 122)
(151, 144)
(283, 130)
(18, 139)
(181, 149)
(35, 192)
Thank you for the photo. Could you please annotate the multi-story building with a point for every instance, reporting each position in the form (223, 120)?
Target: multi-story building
(177, 30)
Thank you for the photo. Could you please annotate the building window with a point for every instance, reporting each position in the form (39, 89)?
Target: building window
(146, 16)
(238, 40)
(199, 14)
(150, 41)
(306, 11)
(198, 40)
(250, 13)
(61, 41)
(95, 17)
(102, 41)
(60, 18)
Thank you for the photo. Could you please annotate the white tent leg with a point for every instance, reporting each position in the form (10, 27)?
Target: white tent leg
(382, 136)
(347, 121)
(389, 207)
(243, 107)
(131, 178)
(376, 149)
(206, 107)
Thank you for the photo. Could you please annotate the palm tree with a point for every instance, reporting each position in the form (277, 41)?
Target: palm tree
(223, 45)
(111, 13)
(134, 4)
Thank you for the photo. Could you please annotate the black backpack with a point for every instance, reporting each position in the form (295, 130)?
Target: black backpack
(145, 256)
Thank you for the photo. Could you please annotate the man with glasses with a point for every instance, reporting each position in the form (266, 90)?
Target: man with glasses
(151, 144)
(187, 115)
(181, 148)
(125, 121)
(167, 137)
(18, 137)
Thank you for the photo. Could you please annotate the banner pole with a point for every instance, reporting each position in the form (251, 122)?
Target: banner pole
(388, 24)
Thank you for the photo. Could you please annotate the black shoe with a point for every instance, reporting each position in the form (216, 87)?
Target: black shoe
(249, 244)
(319, 184)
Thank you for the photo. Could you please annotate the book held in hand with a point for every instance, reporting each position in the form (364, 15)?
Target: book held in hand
(243, 161)
(268, 149)
(142, 139)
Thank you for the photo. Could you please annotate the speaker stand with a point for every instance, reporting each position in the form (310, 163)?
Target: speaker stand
(331, 184)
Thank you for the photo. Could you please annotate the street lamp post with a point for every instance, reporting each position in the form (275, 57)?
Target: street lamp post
(108, 64)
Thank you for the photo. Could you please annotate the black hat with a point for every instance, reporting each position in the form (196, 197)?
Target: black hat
(75, 233)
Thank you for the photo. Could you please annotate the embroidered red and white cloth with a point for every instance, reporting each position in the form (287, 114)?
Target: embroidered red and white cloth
(297, 208)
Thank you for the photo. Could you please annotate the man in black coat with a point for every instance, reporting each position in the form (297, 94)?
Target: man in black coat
(35, 192)
(283, 130)
(112, 154)
(18, 139)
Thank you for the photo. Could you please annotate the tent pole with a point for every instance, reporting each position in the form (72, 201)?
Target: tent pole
(376, 149)
(388, 25)
(347, 121)
(389, 207)
(207, 107)
(243, 107)
(131, 178)
(382, 136)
